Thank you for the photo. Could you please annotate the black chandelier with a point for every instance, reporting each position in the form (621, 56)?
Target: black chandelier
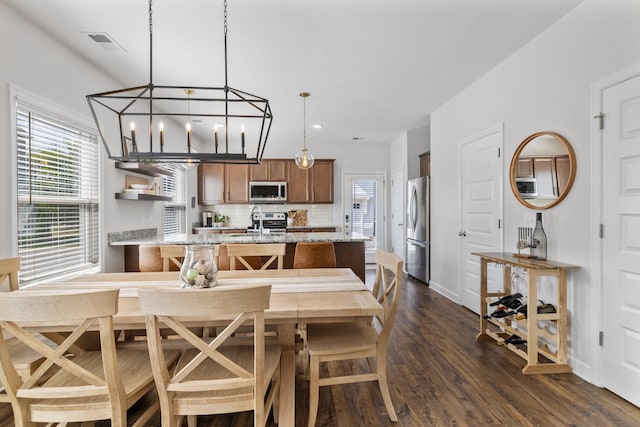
(230, 125)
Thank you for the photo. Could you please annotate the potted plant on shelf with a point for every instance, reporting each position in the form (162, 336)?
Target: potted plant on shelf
(220, 220)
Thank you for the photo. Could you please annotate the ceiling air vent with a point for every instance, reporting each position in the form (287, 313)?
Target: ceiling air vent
(106, 41)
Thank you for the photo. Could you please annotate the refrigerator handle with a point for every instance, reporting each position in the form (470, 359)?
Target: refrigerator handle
(416, 243)
(413, 208)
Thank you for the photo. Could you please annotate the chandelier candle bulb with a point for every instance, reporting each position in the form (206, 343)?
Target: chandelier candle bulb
(161, 127)
(133, 133)
(188, 137)
(242, 137)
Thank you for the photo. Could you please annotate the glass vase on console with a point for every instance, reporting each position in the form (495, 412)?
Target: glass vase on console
(539, 240)
(198, 268)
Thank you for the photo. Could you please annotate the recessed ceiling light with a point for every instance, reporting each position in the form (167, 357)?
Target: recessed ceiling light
(358, 138)
(318, 126)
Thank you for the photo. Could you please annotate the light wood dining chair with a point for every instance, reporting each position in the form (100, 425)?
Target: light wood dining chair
(241, 251)
(26, 360)
(216, 375)
(314, 255)
(358, 340)
(172, 256)
(88, 385)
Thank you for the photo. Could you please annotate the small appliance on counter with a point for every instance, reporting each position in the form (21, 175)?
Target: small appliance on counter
(207, 219)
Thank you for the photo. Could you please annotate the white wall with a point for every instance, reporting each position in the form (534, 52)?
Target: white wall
(545, 86)
(40, 65)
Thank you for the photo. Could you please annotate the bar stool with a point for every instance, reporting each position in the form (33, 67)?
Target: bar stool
(314, 255)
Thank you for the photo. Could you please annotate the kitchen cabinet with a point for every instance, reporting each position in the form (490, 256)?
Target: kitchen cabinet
(211, 183)
(563, 172)
(322, 181)
(298, 184)
(229, 183)
(220, 183)
(237, 183)
(425, 163)
(545, 174)
(269, 170)
(524, 168)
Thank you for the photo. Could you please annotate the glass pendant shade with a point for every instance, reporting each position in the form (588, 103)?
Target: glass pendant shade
(304, 159)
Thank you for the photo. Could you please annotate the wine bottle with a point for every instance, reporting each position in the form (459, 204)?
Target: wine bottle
(505, 300)
(539, 240)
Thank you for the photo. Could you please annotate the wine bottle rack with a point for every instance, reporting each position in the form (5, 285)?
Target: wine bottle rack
(540, 358)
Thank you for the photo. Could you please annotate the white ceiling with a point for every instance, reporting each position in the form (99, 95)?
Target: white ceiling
(374, 68)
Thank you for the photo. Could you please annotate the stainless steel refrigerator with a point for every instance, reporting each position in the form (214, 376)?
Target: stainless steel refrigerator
(417, 222)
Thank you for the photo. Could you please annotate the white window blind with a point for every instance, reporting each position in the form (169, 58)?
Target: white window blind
(174, 221)
(58, 216)
(363, 211)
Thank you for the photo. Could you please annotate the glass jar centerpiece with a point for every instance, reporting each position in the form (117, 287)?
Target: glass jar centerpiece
(198, 268)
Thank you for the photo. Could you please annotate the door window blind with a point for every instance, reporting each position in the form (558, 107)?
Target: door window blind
(174, 221)
(57, 189)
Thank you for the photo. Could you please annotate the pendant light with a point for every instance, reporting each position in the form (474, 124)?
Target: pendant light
(304, 159)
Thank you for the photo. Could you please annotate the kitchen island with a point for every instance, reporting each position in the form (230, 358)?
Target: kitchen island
(349, 247)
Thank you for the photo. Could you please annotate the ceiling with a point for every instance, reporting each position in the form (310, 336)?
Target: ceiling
(374, 68)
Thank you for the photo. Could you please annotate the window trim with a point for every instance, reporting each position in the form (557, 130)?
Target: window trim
(55, 111)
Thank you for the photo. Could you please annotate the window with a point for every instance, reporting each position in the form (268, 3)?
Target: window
(175, 211)
(57, 193)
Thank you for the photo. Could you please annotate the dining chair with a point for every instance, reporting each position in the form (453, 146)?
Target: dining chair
(214, 375)
(73, 385)
(242, 251)
(314, 255)
(149, 258)
(172, 256)
(358, 340)
(26, 359)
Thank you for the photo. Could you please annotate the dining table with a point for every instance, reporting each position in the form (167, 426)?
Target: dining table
(321, 295)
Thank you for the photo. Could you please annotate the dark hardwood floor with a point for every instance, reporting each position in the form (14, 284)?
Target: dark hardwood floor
(440, 375)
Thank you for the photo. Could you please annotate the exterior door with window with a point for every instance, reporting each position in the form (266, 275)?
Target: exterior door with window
(364, 210)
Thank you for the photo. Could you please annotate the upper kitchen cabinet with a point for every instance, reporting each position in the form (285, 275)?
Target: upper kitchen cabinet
(220, 183)
(237, 183)
(313, 185)
(298, 184)
(211, 188)
(322, 181)
(268, 170)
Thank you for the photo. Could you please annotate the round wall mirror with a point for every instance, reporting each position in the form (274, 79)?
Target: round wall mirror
(542, 170)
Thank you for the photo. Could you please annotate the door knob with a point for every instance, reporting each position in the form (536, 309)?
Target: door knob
(462, 233)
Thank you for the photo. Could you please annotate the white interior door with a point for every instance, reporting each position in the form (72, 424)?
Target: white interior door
(397, 213)
(364, 210)
(481, 210)
(621, 239)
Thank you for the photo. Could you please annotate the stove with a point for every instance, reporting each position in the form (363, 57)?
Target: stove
(272, 221)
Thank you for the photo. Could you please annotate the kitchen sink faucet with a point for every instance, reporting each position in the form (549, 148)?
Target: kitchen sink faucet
(259, 209)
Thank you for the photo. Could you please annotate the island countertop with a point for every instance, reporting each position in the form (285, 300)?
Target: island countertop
(188, 239)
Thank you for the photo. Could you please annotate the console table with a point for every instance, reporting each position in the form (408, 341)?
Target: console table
(556, 360)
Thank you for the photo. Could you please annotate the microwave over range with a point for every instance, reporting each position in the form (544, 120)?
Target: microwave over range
(267, 191)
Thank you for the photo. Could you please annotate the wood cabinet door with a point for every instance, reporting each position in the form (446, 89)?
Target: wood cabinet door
(298, 184)
(425, 164)
(322, 181)
(268, 170)
(211, 184)
(237, 183)
(524, 168)
(277, 170)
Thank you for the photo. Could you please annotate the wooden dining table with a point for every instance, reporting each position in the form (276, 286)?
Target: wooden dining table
(297, 296)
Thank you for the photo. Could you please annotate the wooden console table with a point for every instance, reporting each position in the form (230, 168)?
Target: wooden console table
(557, 360)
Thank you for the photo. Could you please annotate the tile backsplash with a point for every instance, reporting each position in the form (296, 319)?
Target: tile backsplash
(317, 215)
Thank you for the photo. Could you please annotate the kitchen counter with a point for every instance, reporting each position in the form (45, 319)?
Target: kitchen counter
(189, 239)
(349, 247)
